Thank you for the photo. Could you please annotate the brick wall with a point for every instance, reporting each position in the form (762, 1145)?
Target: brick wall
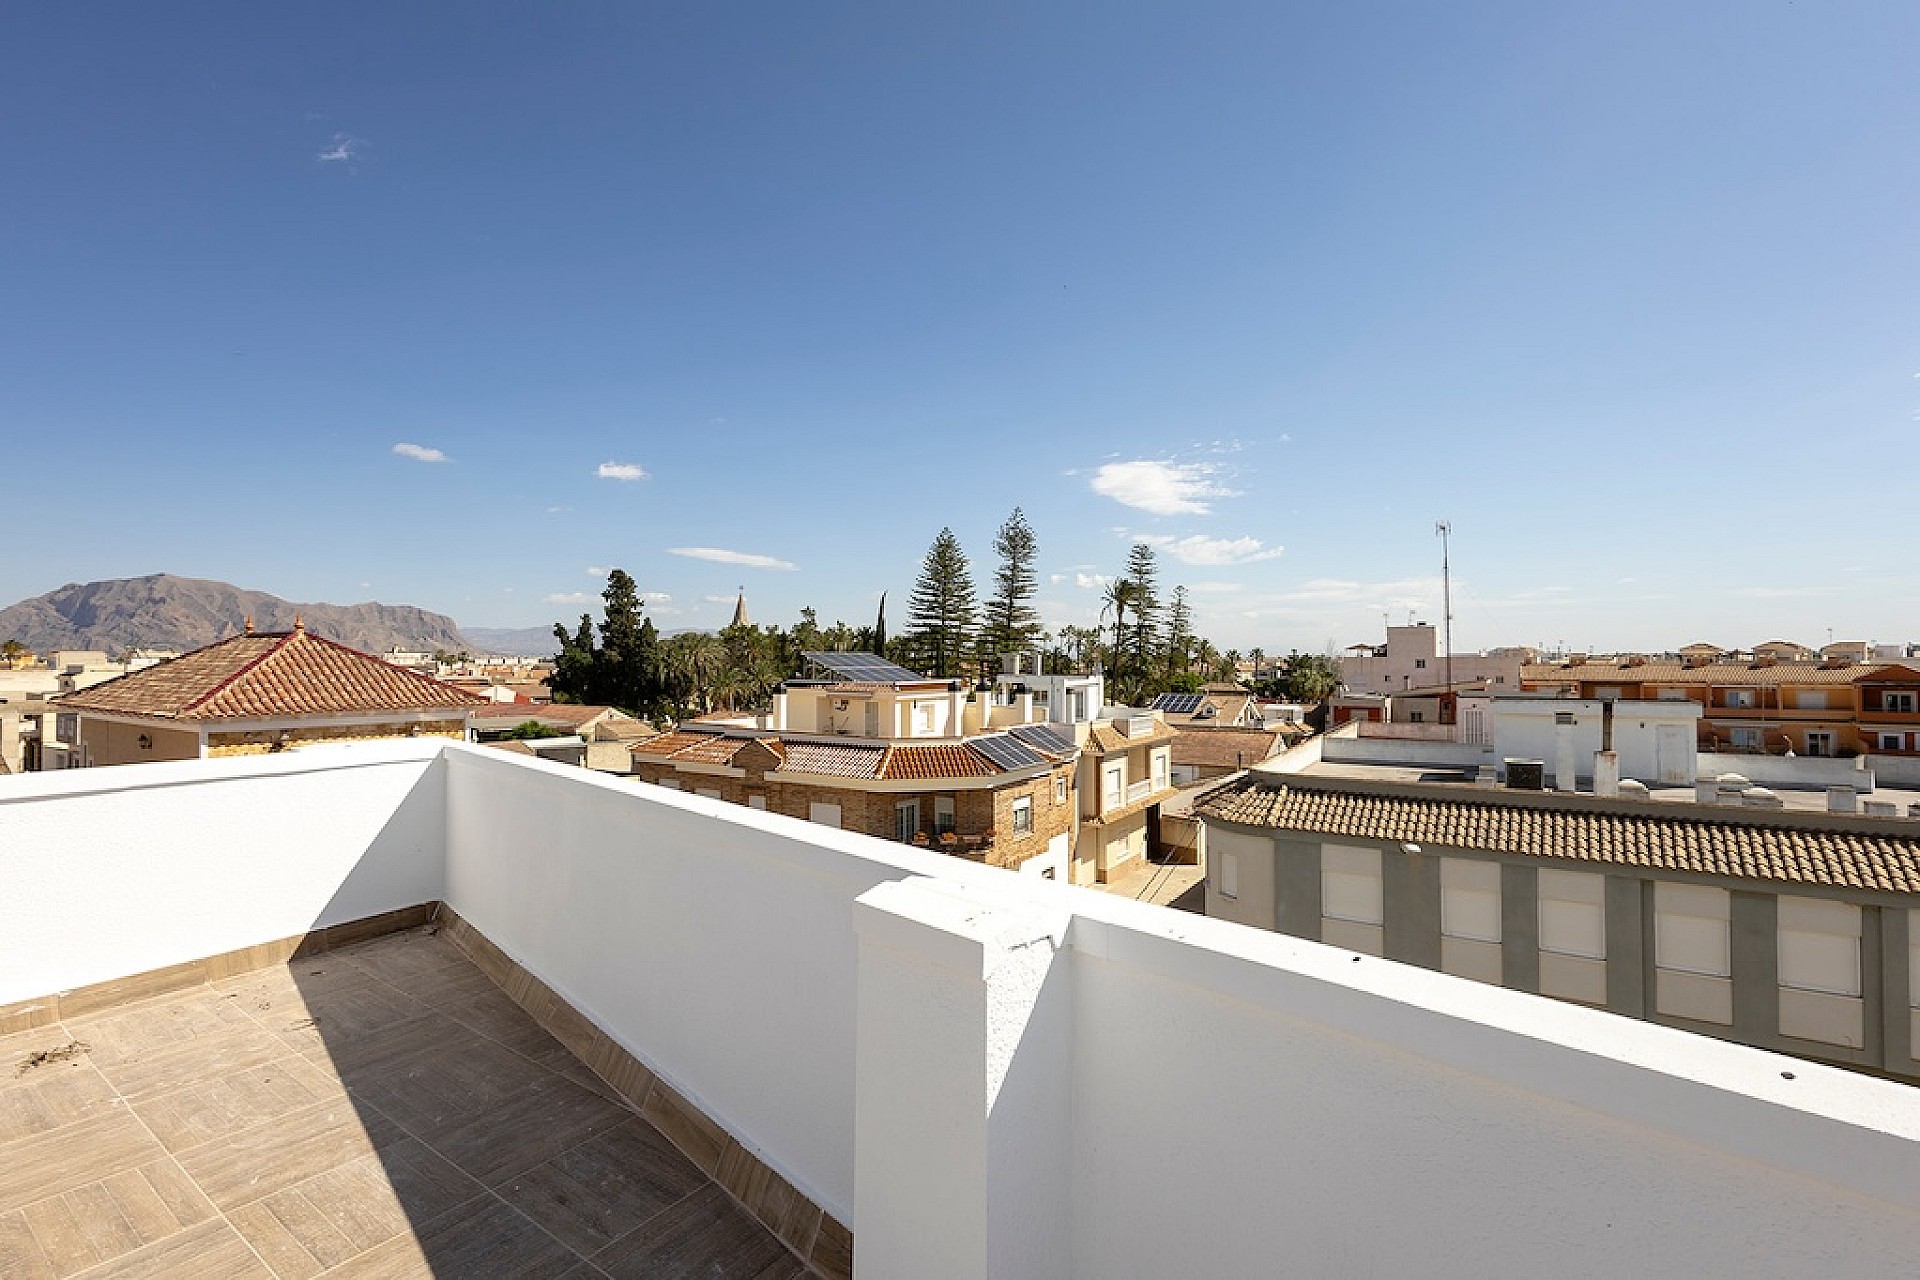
(261, 742)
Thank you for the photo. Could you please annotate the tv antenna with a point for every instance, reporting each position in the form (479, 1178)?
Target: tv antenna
(1444, 530)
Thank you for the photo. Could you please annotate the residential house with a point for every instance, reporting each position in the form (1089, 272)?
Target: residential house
(868, 746)
(257, 693)
(1226, 705)
(1125, 775)
(1790, 930)
(1202, 752)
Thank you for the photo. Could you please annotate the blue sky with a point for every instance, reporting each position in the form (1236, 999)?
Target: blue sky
(458, 305)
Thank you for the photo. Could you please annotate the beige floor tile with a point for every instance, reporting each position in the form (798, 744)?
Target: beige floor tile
(285, 1152)
(706, 1234)
(528, 1127)
(210, 1251)
(155, 1026)
(21, 1257)
(204, 1110)
(206, 1057)
(46, 1097)
(19, 1051)
(343, 1212)
(121, 1213)
(59, 1160)
(603, 1188)
(483, 1237)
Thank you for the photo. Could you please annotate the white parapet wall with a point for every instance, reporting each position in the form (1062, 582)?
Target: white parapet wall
(111, 872)
(986, 1074)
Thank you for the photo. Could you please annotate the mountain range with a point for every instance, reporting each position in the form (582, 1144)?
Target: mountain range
(163, 611)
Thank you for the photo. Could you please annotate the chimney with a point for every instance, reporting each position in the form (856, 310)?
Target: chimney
(299, 625)
(247, 630)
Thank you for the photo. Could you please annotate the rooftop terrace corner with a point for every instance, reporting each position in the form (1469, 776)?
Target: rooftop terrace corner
(972, 1072)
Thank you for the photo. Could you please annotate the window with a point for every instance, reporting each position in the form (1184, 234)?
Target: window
(1673, 695)
(1573, 935)
(1060, 789)
(906, 820)
(1810, 699)
(1228, 881)
(1499, 679)
(1470, 918)
(1023, 816)
(1820, 946)
(1738, 698)
(710, 793)
(827, 815)
(1416, 717)
(1819, 971)
(756, 801)
(942, 815)
(1898, 703)
(1893, 742)
(1819, 742)
(1691, 932)
(1744, 739)
(671, 784)
(1350, 884)
(1115, 786)
(1159, 771)
(1420, 663)
(922, 719)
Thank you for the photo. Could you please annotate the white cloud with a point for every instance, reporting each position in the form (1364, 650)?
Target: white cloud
(1091, 581)
(599, 570)
(1161, 488)
(343, 148)
(419, 452)
(656, 597)
(621, 471)
(1213, 588)
(1201, 550)
(719, 555)
(568, 597)
(717, 599)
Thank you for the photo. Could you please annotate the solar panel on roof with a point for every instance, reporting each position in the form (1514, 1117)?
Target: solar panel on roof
(1045, 738)
(864, 668)
(1006, 753)
(1178, 704)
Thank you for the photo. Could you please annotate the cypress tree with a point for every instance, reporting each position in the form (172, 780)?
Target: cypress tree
(1012, 623)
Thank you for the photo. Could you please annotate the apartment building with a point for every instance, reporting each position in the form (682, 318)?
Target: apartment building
(1793, 931)
(1829, 707)
(1411, 659)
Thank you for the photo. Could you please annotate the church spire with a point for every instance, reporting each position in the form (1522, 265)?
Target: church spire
(740, 610)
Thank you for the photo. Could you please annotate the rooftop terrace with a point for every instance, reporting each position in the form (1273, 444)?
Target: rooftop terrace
(662, 1035)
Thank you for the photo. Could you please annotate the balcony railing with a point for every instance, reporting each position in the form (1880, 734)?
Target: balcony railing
(952, 1057)
(1139, 790)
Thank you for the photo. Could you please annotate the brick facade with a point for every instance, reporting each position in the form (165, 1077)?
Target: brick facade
(981, 811)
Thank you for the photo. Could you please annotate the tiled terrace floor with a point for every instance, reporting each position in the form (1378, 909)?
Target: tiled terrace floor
(383, 1110)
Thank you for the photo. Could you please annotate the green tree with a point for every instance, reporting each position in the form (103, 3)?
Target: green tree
(1143, 571)
(1308, 677)
(573, 677)
(526, 731)
(1012, 624)
(940, 612)
(626, 669)
(1180, 638)
(13, 649)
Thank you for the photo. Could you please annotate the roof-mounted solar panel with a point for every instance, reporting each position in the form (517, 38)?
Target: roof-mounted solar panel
(862, 668)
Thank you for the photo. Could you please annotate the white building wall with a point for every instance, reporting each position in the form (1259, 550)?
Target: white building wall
(1526, 729)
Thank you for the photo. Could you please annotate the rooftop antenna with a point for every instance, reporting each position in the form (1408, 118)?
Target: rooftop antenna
(1444, 529)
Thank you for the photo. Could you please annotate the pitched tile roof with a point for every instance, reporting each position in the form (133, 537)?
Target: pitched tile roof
(1105, 739)
(935, 760)
(694, 745)
(1809, 851)
(835, 760)
(269, 676)
(1231, 748)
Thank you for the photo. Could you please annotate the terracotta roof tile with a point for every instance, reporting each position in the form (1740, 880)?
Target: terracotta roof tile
(1233, 748)
(1699, 843)
(1715, 673)
(271, 676)
(941, 760)
(834, 759)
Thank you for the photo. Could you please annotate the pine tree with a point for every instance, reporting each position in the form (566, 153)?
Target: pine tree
(940, 612)
(1012, 623)
(1179, 634)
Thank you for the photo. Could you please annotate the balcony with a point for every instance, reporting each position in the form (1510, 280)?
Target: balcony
(657, 1031)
